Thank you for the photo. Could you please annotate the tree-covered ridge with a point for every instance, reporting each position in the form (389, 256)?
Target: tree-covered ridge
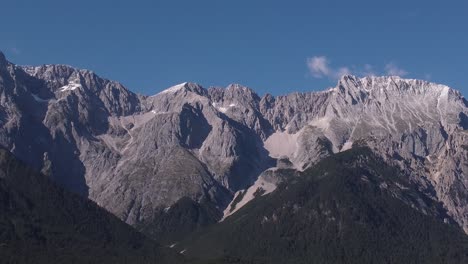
(42, 223)
(350, 208)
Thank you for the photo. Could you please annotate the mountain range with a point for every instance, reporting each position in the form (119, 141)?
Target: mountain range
(182, 165)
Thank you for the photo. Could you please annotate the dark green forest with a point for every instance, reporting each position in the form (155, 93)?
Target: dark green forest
(350, 208)
(42, 223)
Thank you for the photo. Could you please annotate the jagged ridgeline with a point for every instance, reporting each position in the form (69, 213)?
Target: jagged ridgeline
(188, 157)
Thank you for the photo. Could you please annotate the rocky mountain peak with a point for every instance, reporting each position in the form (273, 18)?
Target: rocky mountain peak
(63, 81)
(64, 74)
(390, 88)
(241, 92)
(348, 78)
(195, 88)
(389, 83)
(234, 95)
(184, 87)
(239, 87)
(135, 155)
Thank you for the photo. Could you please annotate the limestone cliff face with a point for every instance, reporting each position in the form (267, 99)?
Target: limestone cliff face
(137, 155)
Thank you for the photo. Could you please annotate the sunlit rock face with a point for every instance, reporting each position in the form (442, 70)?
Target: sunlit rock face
(138, 155)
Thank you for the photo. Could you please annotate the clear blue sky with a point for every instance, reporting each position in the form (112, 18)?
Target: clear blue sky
(270, 46)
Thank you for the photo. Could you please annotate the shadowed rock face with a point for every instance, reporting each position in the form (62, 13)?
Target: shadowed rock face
(137, 155)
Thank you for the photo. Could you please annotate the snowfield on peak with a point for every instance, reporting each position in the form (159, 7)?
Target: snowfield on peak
(172, 89)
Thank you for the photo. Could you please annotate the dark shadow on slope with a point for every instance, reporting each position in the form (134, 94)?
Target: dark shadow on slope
(43, 223)
(67, 169)
(463, 121)
(253, 158)
(194, 127)
(174, 223)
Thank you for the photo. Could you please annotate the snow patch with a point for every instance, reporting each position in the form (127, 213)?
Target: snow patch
(158, 113)
(223, 109)
(445, 91)
(70, 87)
(281, 144)
(31, 70)
(173, 89)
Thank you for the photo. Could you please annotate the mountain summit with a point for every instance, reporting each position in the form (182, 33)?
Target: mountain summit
(149, 158)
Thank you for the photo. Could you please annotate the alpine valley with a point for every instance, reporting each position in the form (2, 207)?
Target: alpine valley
(374, 170)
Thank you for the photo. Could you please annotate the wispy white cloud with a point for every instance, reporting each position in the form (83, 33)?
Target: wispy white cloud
(319, 67)
(342, 71)
(392, 69)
